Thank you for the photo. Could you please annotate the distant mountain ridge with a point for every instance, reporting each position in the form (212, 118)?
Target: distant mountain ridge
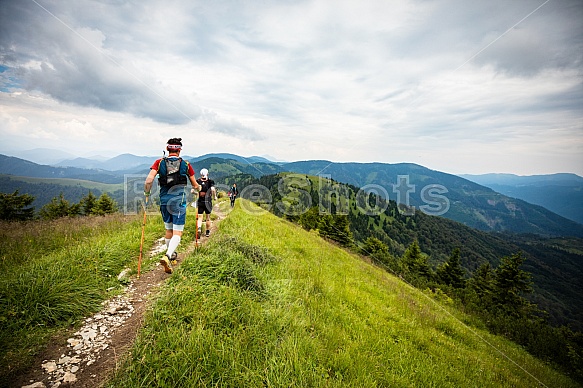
(468, 202)
(561, 193)
(19, 167)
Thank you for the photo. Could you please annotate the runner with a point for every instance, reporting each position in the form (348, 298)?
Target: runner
(233, 192)
(173, 175)
(205, 200)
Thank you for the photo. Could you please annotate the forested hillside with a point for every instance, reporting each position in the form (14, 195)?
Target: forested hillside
(433, 192)
(469, 203)
(557, 270)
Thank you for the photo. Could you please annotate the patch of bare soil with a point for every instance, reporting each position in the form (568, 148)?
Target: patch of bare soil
(87, 357)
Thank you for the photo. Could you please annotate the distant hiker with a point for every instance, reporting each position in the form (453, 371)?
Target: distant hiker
(205, 200)
(233, 192)
(173, 175)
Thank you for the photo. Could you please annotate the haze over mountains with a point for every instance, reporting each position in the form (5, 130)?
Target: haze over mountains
(560, 193)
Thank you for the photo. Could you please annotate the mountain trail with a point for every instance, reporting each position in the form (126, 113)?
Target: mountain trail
(88, 356)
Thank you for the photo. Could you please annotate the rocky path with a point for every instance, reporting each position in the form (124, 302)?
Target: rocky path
(89, 355)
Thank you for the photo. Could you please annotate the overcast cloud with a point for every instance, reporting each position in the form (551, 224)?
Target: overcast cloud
(456, 86)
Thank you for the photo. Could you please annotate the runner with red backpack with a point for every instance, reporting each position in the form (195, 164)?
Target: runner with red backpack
(173, 176)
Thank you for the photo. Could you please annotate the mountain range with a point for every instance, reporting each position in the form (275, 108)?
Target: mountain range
(560, 193)
(422, 189)
(511, 224)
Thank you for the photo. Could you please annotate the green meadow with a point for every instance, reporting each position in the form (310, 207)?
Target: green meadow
(266, 303)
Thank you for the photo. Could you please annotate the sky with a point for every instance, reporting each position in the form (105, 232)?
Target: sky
(463, 87)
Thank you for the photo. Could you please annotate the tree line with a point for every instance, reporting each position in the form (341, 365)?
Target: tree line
(18, 207)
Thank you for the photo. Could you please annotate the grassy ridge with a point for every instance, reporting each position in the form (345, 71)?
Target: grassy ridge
(267, 304)
(55, 273)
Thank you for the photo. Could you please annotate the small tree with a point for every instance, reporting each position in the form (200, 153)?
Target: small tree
(57, 208)
(309, 220)
(510, 284)
(451, 272)
(88, 203)
(340, 230)
(379, 252)
(415, 263)
(14, 207)
(105, 205)
(373, 247)
(482, 284)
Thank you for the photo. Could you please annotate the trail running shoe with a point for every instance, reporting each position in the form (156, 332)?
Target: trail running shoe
(199, 231)
(208, 232)
(174, 258)
(166, 263)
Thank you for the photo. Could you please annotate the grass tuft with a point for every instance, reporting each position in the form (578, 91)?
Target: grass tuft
(55, 273)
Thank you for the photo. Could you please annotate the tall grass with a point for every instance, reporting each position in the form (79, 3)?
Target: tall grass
(267, 304)
(55, 273)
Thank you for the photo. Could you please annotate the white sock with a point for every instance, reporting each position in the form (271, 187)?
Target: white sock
(167, 242)
(174, 241)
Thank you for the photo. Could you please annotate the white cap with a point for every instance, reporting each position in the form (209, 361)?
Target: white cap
(204, 173)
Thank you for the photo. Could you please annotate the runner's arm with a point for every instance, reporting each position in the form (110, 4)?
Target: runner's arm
(149, 181)
(194, 183)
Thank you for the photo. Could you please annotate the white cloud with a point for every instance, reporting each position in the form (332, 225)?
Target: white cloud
(448, 84)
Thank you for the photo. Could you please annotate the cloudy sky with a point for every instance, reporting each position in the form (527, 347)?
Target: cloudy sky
(456, 86)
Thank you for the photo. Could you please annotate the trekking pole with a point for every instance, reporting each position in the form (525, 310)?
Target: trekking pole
(196, 229)
(142, 239)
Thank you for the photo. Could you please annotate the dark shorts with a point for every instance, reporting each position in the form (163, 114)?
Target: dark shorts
(204, 206)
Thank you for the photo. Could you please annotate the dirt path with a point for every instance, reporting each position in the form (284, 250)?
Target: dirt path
(88, 356)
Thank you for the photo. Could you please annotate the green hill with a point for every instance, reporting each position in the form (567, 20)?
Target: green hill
(269, 304)
(467, 202)
(557, 269)
(20, 167)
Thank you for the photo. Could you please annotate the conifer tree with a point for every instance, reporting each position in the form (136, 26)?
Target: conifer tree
(451, 272)
(57, 208)
(415, 263)
(88, 203)
(378, 251)
(482, 284)
(374, 246)
(310, 219)
(340, 230)
(510, 284)
(15, 207)
(105, 205)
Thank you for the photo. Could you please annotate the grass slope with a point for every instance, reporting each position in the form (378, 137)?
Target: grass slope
(265, 303)
(54, 274)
